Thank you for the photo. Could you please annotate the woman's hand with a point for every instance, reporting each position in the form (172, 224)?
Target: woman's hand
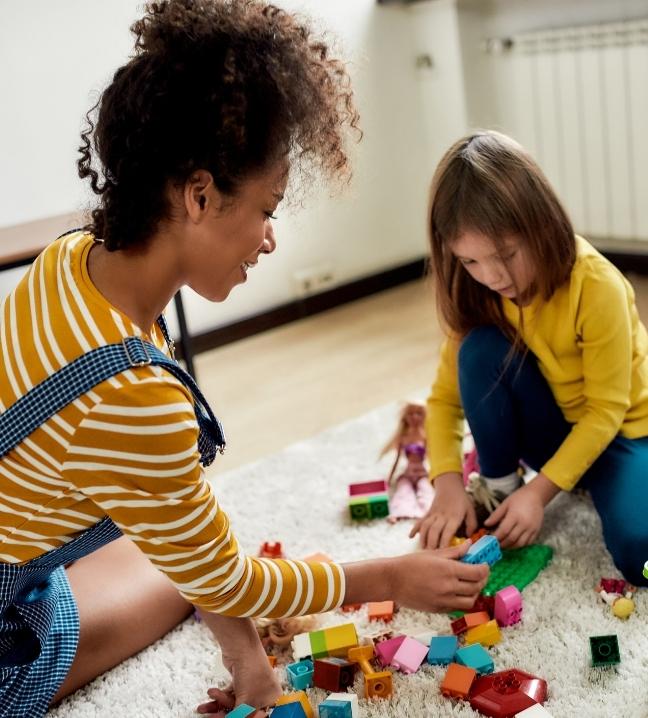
(518, 519)
(450, 509)
(253, 680)
(437, 581)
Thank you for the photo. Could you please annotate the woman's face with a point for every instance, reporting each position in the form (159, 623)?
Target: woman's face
(507, 272)
(226, 243)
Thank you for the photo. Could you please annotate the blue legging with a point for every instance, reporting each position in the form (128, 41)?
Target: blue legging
(513, 415)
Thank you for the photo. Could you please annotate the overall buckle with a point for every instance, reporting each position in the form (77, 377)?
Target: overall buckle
(138, 348)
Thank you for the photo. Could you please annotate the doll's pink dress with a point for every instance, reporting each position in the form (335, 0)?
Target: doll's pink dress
(413, 494)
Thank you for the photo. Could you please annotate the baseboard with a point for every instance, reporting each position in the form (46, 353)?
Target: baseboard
(308, 306)
(627, 259)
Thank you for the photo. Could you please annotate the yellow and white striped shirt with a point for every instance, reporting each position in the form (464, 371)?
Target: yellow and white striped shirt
(126, 449)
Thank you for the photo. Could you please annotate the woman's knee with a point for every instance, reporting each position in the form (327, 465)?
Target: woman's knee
(629, 548)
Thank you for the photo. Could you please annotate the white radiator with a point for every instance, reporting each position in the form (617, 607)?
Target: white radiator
(577, 98)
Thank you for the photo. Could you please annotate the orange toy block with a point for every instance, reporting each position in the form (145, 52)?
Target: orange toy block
(469, 620)
(272, 660)
(458, 681)
(318, 558)
(488, 634)
(348, 607)
(298, 697)
(381, 611)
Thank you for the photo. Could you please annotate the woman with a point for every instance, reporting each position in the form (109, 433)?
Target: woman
(189, 157)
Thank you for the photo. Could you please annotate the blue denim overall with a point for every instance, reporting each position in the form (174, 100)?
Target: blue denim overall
(39, 622)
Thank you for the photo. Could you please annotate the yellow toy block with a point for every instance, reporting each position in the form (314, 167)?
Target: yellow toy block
(340, 638)
(488, 634)
(298, 697)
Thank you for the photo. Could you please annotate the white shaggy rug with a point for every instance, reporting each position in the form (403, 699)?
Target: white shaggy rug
(298, 497)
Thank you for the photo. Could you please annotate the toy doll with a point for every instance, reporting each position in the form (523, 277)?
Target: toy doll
(413, 492)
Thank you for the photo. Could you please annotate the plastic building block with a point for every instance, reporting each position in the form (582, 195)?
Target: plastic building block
(478, 534)
(380, 611)
(242, 711)
(503, 694)
(271, 550)
(339, 639)
(369, 487)
(518, 567)
(469, 620)
(536, 711)
(369, 506)
(409, 656)
(339, 705)
(377, 684)
(475, 657)
(612, 585)
(508, 606)
(386, 650)
(318, 558)
(297, 701)
(458, 681)
(457, 540)
(486, 550)
(333, 674)
(484, 603)
(332, 641)
(288, 710)
(300, 675)
(605, 650)
(488, 634)
(442, 650)
(348, 607)
(272, 660)
(645, 570)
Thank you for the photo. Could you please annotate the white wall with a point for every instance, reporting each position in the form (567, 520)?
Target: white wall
(60, 54)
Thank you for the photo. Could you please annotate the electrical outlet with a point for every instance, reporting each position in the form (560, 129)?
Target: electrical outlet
(312, 280)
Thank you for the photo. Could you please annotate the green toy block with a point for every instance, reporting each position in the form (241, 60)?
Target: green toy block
(369, 506)
(605, 650)
(518, 567)
(318, 644)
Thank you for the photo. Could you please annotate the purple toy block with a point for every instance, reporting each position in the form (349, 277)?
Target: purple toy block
(386, 650)
(409, 656)
(508, 606)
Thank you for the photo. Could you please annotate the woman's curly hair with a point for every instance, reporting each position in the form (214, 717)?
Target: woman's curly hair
(230, 86)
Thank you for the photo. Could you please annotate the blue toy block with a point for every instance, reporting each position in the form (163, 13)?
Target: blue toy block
(331, 708)
(477, 657)
(442, 650)
(288, 710)
(300, 674)
(241, 711)
(486, 550)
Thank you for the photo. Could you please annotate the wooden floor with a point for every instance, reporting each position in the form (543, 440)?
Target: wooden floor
(285, 385)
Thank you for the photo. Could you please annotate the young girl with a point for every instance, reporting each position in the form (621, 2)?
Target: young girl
(546, 358)
(101, 470)
(413, 493)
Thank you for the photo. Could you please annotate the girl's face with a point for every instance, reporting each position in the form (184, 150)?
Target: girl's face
(226, 243)
(507, 272)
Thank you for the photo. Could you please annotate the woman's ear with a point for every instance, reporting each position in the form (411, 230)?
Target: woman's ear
(199, 195)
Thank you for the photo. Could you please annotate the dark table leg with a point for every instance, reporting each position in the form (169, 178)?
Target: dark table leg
(185, 337)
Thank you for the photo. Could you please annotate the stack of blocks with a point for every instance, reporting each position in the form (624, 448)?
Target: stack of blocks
(369, 500)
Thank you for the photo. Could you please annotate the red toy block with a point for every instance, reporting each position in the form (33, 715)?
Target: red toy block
(380, 611)
(478, 534)
(368, 487)
(458, 681)
(271, 550)
(469, 620)
(612, 585)
(348, 607)
(334, 674)
(505, 693)
(484, 603)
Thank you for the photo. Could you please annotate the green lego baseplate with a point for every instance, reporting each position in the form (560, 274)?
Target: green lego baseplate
(517, 567)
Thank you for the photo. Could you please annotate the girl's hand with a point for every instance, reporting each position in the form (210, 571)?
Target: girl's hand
(450, 509)
(437, 581)
(518, 518)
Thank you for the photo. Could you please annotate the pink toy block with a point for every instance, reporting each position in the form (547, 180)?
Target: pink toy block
(508, 606)
(368, 487)
(386, 650)
(409, 656)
